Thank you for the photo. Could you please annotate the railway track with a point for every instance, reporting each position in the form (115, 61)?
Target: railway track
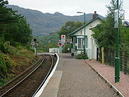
(30, 81)
(52, 59)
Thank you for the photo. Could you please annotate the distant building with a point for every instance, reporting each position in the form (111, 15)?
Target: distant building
(78, 38)
(126, 23)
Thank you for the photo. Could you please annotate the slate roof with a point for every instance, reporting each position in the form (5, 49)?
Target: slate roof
(126, 23)
(83, 26)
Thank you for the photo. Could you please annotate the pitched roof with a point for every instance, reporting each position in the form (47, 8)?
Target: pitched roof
(83, 26)
(126, 23)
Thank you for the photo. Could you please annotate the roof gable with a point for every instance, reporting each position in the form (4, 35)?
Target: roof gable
(80, 28)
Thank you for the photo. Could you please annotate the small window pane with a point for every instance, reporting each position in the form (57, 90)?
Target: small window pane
(80, 43)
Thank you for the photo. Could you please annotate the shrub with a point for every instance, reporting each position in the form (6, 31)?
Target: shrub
(25, 53)
(66, 48)
(1, 46)
(82, 56)
(2, 82)
(5, 65)
(7, 48)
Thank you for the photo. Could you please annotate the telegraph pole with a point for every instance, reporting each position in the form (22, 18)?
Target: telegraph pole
(117, 56)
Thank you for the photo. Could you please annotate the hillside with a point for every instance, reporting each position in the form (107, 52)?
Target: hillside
(45, 23)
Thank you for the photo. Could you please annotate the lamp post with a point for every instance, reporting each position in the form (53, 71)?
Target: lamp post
(117, 56)
(84, 32)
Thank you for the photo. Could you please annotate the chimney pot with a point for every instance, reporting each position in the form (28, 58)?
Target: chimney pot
(95, 15)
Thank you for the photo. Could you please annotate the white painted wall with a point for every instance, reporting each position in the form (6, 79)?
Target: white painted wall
(92, 46)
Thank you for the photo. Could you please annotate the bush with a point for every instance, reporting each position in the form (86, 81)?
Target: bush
(66, 48)
(1, 46)
(7, 48)
(2, 82)
(5, 65)
(82, 56)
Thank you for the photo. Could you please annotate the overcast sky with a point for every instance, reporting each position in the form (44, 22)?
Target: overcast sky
(69, 7)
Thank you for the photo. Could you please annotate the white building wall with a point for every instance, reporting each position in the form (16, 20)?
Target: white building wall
(92, 46)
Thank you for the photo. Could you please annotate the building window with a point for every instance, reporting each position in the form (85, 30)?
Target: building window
(74, 40)
(80, 43)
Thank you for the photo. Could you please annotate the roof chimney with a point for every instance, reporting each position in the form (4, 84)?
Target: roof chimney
(95, 15)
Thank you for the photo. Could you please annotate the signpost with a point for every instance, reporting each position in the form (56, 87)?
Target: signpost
(60, 46)
(34, 44)
(62, 42)
(63, 39)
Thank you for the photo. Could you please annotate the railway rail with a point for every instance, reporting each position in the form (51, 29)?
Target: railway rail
(44, 78)
(30, 81)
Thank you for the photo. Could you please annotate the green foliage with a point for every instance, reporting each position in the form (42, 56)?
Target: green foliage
(124, 38)
(69, 27)
(66, 48)
(2, 82)
(14, 31)
(51, 41)
(5, 65)
(25, 53)
(82, 56)
(21, 28)
(105, 32)
(13, 27)
(7, 48)
(47, 42)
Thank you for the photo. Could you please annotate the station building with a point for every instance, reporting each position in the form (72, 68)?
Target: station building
(82, 38)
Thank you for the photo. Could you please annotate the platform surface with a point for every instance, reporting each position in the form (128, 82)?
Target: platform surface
(108, 72)
(74, 78)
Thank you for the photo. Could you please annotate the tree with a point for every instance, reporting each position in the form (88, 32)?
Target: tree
(22, 29)
(13, 27)
(105, 32)
(69, 27)
(124, 35)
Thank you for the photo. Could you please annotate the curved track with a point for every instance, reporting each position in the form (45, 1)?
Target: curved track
(52, 60)
(29, 81)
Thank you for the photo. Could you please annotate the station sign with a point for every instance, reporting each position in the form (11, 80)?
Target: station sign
(60, 44)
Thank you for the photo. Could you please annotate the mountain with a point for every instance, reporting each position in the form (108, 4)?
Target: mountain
(46, 23)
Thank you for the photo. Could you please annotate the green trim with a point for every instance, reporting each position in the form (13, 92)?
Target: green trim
(78, 29)
(78, 35)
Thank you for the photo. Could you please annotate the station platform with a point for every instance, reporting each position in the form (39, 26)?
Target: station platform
(108, 74)
(75, 78)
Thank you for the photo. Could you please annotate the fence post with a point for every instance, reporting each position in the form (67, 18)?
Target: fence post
(121, 60)
(97, 54)
(110, 56)
(125, 62)
(102, 50)
(100, 55)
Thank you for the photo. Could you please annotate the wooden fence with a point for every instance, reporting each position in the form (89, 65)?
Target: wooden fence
(109, 58)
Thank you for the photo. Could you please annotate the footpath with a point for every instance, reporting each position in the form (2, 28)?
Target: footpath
(75, 78)
(107, 73)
